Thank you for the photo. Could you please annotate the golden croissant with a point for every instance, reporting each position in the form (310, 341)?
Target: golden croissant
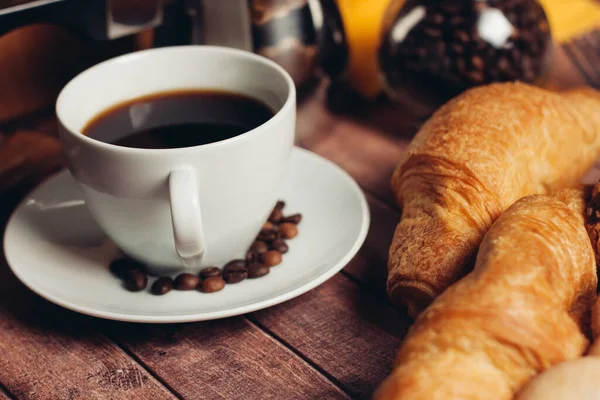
(579, 378)
(521, 310)
(470, 161)
(572, 380)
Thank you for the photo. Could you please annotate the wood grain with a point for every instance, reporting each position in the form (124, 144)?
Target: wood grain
(563, 74)
(51, 353)
(369, 267)
(338, 339)
(225, 359)
(343, 330)
(27, 156)
(368, 155)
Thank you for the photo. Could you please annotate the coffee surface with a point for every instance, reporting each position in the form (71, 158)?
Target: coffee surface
(177, 119)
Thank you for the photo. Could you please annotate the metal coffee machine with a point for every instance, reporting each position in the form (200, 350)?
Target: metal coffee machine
(294, 33)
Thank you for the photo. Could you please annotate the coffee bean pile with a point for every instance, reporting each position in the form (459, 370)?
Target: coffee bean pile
(445, 52)
(265, 252)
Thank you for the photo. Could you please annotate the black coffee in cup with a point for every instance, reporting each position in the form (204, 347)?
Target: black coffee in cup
(177, 119)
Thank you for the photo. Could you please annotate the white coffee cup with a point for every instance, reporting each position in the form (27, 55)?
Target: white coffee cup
(184, 208)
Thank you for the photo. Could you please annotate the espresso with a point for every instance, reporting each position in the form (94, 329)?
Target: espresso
(171, 120)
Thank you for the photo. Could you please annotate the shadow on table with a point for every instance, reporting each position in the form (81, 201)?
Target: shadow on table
(400, 120)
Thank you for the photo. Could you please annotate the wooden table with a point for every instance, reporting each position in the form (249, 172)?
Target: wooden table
(334, 342)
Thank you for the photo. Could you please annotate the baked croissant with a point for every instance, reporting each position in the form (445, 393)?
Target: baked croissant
(579, 378)
(470, 161)
(520, 311)
(575, 379)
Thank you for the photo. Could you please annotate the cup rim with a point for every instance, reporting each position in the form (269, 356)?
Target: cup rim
(76, 133)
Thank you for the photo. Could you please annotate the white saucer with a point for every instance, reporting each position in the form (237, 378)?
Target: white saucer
(54, 247)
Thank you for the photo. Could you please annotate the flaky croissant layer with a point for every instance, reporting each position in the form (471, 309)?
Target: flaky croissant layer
(470, 161)
(521, 310)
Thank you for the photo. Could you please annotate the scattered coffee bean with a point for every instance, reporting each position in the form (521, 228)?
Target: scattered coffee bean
(265, 252)
(235, 271)
(276, 216)
(256, 270)
(280, 204)
(267, 236)
(252, 256)
(259, 247)
(271, 258)
(135, 280)
(210, 272)
(212, 284)
(186, 281)
(268, 226)
(162, 286)
(294, 219)
(234, 265)
(288, 230)
(280, 245)
(122, 266)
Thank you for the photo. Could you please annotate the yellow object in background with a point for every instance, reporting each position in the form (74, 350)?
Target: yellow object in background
(570, 18)
(363, 20)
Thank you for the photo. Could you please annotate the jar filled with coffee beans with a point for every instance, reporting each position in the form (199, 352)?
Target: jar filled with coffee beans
(432, 50)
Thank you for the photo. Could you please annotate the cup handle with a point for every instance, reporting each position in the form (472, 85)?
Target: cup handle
(186, 216)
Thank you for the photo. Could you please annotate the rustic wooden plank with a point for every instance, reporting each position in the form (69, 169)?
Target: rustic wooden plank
(369, 267)
(24, 154)
(38, 60)
(369, 155)
(224, 359)
(563, 74)
(51, 353)
(27, 156)
(584, 55)
(314, 121)
(344, 330)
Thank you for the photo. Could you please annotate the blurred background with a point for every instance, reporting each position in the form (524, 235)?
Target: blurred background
(375, 60)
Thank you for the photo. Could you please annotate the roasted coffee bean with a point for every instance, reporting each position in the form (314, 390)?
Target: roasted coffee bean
(209, 272)
(212, 284)
(433, 33)
(461, 65)
(259, 247)
(234, 264)
(476, 76)
(268, 226)
(458, 57)
(457, 49)
(463, 36)
(288, 230)
(503, 64)
(252, 256)
(162, 286)
(437, 19)
(235, 271)
(186, 281)
(267, 236)
(457, 20)
(275, 216)
(121, 267)
(271, 258)
(135, 280)
(479, 6)
(256, 270)
(294, 219)
(280, 204)
(477, 62)
(280, 245)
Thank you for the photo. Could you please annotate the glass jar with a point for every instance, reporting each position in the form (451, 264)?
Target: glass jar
(431, 50)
